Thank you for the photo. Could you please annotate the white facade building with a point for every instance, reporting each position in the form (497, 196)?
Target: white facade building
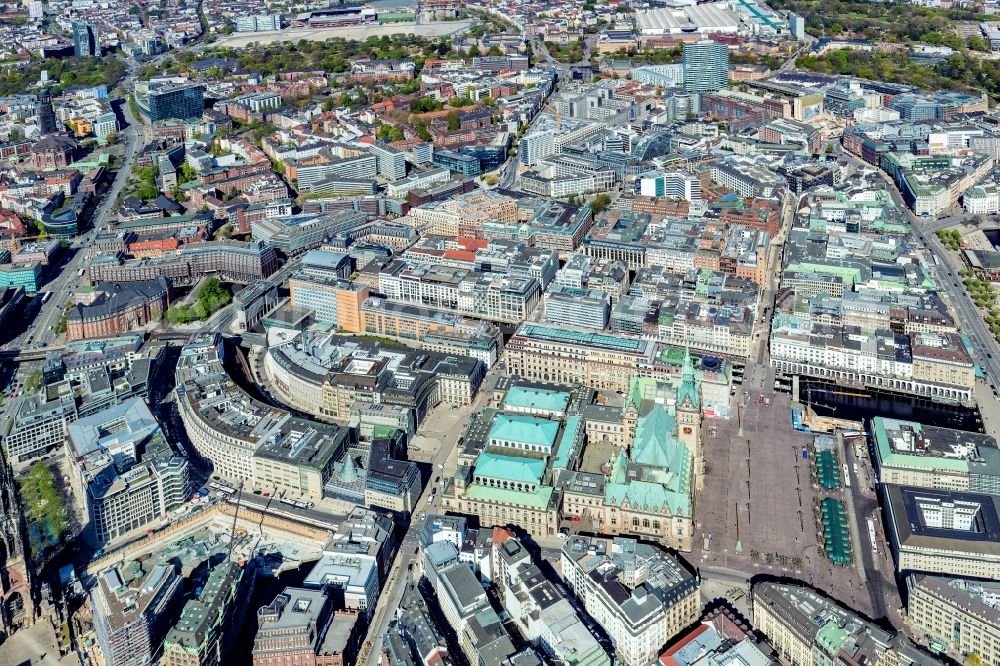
(536, 146)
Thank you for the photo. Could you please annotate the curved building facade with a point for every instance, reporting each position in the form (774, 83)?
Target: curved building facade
(330, 376)
(294, 384)
(270, 448)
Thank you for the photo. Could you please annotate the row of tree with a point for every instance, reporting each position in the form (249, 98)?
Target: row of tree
(64, 73)
(960, 72)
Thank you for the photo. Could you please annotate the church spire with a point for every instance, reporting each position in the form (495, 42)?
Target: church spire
(687, 393)
(349, 472)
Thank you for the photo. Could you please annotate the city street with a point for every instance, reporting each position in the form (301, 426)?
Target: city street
(39, 333)
(966, 313)
(879, 571)
(444, 426)
(511, 168)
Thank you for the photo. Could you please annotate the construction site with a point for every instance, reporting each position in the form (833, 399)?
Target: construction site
(240, 532)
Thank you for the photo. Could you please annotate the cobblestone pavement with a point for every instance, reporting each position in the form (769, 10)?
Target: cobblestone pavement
(757, 510)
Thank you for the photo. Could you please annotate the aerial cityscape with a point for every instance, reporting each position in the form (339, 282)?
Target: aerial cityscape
(500, 332)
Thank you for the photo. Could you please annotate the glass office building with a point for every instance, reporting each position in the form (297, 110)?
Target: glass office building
(172, 101)
(706, 66)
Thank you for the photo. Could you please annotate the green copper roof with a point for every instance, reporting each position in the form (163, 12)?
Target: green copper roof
(888, 456)
(687, 393)
(831, 637)
(510, 468)
(524, 430)
(647, 497)
(657, 473)
(536, 398)
(536, 499)
(593, 339)
(849, 274)
(572, 430)
(647, 388)
(667, 461)
(655, 443)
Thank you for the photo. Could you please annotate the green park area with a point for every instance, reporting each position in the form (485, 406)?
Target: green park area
(212, 295)
(903, 24)
(47, 518)
(571, 53)
(884, 22)
(63, 73)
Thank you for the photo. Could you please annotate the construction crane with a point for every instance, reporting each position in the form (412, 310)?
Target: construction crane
(24, 239)
(236, 514)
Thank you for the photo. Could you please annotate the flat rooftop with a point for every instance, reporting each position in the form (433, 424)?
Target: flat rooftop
(956, 522)
(912, 444)
(568, 336)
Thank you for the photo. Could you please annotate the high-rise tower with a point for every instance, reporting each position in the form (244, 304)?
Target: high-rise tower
(706, 66)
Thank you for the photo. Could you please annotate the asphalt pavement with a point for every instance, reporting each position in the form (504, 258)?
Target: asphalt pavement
(39, 331)
(969, 317)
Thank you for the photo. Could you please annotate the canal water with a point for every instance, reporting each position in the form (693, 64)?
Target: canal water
(831, 400)
(993, 237)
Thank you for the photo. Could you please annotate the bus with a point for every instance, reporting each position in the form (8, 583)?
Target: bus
(847, 477)
(226, 490)
(46, 297)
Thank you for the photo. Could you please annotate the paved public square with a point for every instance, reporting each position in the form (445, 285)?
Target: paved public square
(761, 495)
(757, 486)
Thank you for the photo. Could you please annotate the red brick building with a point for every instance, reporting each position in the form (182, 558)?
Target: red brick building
(14, 149)
(12, 230)
(758, 215)
(155, 246)
(242, 170)
(118, 309)
(661, 206)
(301, 628)
(53, 151)
(234, 261)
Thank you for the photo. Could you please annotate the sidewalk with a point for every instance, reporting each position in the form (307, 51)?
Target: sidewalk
(989, 408)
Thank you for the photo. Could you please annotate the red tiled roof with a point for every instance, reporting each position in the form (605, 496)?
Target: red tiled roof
(667, 658)
(460, 255)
